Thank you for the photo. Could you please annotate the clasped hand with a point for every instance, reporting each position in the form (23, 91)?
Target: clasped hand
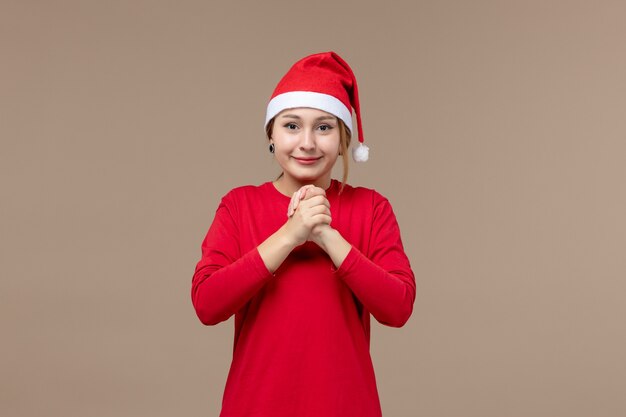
(309, 215)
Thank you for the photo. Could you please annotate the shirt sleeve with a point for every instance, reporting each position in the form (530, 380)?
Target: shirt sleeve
(225, 280)
(383, 281)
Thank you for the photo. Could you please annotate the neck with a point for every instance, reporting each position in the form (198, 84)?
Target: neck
(288, 186)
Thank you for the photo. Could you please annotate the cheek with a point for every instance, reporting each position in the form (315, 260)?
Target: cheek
(336, 146)
(281, 142)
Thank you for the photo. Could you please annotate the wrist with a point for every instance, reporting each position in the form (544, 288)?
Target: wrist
(285, 238)
(335, 245)
(276, 248)
(327, 235)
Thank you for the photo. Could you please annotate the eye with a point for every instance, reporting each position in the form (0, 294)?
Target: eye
(324, 128)
(291, 126)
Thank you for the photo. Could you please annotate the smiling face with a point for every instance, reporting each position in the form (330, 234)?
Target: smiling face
(306, 147)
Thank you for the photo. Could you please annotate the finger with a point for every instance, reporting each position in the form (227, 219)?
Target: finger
(313, 191)
(293, 203)
(318, 200)
(317, 210)
(289, 212)
(322, 219)
(296, 199)
(303, 192)
(290, 209)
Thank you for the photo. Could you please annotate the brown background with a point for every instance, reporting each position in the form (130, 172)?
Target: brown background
(497, 131)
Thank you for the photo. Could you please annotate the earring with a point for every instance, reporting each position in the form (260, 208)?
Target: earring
(272, 148)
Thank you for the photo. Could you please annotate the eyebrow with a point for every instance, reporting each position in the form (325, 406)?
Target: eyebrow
(295, 116)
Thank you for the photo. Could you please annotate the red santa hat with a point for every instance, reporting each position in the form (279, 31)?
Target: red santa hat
(321, 81)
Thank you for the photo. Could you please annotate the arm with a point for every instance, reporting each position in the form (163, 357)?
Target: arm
(225, 280)
(383, 281)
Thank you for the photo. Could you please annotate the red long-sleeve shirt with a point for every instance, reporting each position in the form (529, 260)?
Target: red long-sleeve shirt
(301, 345)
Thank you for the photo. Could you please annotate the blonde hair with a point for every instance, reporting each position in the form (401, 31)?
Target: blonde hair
(345, 136)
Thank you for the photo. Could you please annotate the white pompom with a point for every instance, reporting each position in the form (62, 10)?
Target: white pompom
(361, 153)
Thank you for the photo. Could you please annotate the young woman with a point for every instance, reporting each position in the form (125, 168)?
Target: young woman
(304, 260)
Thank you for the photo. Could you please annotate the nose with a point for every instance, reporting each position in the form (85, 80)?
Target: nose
(308, 141)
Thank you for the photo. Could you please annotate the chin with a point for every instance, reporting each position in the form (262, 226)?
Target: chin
(304, 178)
(307, 178)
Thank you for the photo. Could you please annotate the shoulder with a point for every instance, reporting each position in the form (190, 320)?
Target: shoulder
(363, 196)
(242, 196)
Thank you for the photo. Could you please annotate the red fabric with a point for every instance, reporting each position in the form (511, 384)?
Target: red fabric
(301, 345)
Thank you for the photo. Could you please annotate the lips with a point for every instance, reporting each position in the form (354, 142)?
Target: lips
(307, 161)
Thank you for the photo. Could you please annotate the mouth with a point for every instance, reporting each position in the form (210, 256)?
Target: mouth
(307, 161)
